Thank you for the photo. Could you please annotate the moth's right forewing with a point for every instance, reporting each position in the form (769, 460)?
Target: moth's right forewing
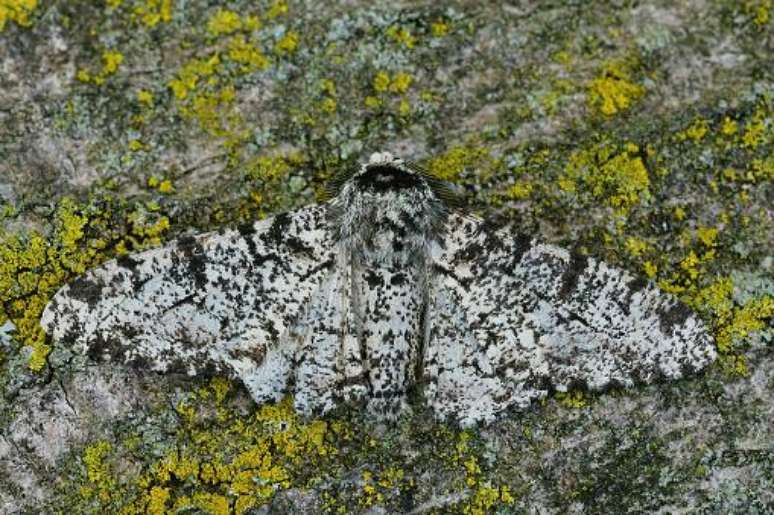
(217, 302)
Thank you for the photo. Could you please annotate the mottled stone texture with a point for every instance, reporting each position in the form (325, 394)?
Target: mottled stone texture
(640, 134)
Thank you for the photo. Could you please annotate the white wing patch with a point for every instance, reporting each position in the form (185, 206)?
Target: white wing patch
(378, 292)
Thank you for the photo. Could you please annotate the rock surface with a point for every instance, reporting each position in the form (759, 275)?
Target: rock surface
(641, 133)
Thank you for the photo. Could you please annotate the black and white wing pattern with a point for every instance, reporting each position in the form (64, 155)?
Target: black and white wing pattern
(380, 288)
(510, 318)
(220, 302)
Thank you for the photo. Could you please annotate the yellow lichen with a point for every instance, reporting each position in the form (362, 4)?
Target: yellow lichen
(755, 132)
(695, 132)
(32, 269)
(371, 495)
(328, 87)
(729, 322)
(759, 170)
(707, 235)
(616, 175)
(243, 462)
(381, 81)
(247, 54)
(404, 107)
(759, 11)
(451, 164)
(613, 90)
(573, 399)
(157, 500)
(287, 44)
(191, 73)
(136, 145)
(636, 246)
(728, 127)
(278, 8)
(484, 495)
(372, 102)
(151, 12)
(166, 186)
(98, 471)
(17, 11)
(145, 97)
(520, 190)
(439, 29)
(733, 365)
(111, 60)
(689, 265)
(400, 83)
(328, 105)
(204, 87)
(562, 57)
(401, 36)
(224, 22)
(749, 318)
(486, 498)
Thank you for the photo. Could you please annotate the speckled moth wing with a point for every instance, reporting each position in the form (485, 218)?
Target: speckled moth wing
(511, 317)
(217, 302)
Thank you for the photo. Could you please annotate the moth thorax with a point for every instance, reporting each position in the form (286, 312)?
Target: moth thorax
(393, 225)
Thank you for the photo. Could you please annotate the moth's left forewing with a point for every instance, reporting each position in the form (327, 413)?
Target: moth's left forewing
(521, 317)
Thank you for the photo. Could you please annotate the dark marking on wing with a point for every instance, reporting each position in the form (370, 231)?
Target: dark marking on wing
(571, 275)
(247, 231)
(256, 354)
(523, 244)
(197, 261)
(185, 300)
(636, 285)
(632, 287)
(373, 279)
(132, 266)
(298, 246)
(277, 233)
(128, 262)
(673, 316)
(470, 252)
(398, 279)
(269, 327)
(86, 290)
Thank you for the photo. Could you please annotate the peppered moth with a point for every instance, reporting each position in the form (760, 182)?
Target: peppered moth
(385, 287)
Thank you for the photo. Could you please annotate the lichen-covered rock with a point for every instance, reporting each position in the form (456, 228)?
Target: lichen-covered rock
(641, 135)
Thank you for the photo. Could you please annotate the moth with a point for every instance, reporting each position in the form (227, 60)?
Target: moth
(383, 289)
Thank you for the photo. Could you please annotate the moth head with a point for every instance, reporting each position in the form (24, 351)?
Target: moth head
(384, 173)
